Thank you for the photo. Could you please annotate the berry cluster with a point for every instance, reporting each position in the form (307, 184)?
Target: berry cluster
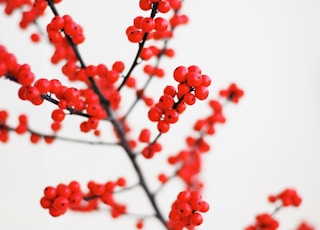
(264, 222)
(233, 93)
(189, 160)
(156, 28)
(58, 199)
(21, 128)
(192, 85)
(287, 197)
(185, 211)
(305, 226)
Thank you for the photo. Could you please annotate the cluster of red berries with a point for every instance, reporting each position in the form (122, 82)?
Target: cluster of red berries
(20, 129)
(68, 26)
(156, 28)
(57, 30)
(207, 125)
(233, 93)
(287, 197)
(264, 222)
(63, 197)
(189, 160)
(164, 6)
(145, 25)
(104, 192)
(305, 226)
(59, 199)
(185, 211)
(192, 85)
(152, 51)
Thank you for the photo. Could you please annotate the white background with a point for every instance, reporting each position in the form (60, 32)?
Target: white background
(271, 139)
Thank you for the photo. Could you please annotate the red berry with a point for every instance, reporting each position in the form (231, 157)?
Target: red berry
(35, 37)
(145, 4)
(145, 135)
(135, 36)
(184, 209)
(184, 196)
(171, 116)
(196, 219)
(194, 79)
(163, 126)
(180, 74)
(60, 203)
(45, 203)
(63, 191)
(161, 24)
(201, 92)
(164, 6)
(58, 115)
(154, 114)
(75, 198)
(50, 193)
(147, 24)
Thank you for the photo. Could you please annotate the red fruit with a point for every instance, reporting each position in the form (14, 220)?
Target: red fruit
(196, 219)
(60, 203)
(58, 115)
(145, 135)
(180, 73)
(50, 193)
(147, 24)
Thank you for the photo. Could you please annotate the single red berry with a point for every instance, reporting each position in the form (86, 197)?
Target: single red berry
(154, 114)
(50, 193)
(184, 196)
(170, 90)
(121, 182)
(184, 209)
(63, 191)
(43, 85)
(145, 135)
(60, 203)
(166, 101)
(180, 74)
(75, 198)
(45, 203)
(139, 224)
(196, 219)
(163, 126)
(171, 116)
(164, 7)
(201, 92)
(147, 24)
(135, 36)
(57, 23)
(161, 24)
(194, 79)
(58, 115)
(145, 5)
(163, 178)
(118, 66)
(189, 98)
(35, 37)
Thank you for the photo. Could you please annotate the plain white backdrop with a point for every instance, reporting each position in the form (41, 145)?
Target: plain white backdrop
(271, 139)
